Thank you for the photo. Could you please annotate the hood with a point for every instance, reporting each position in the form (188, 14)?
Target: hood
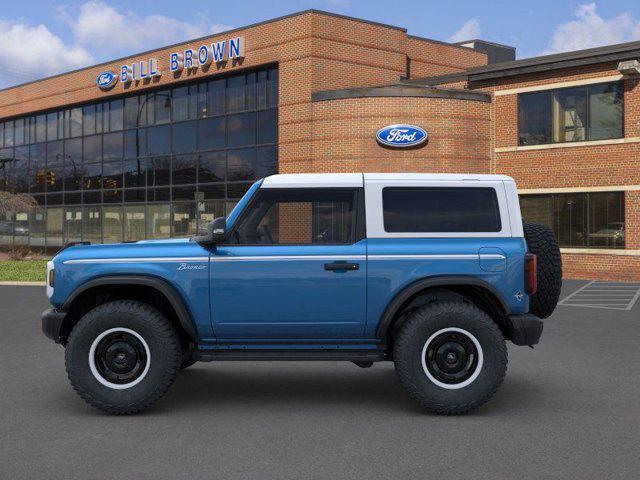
(144, 248)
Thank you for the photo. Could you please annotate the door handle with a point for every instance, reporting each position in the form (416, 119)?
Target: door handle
(341, 266)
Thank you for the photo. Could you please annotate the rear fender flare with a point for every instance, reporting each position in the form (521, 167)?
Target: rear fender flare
(442, 281)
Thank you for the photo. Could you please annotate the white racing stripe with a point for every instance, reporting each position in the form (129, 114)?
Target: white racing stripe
(261, 258)
(138, 260)
(258, 258)
(462, 256)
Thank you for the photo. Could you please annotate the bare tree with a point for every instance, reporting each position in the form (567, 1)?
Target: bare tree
(15, 202)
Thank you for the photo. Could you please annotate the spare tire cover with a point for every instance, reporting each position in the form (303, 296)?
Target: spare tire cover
(542, 242)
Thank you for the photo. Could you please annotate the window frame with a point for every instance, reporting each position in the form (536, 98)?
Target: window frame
(552, 92)
(358, 227)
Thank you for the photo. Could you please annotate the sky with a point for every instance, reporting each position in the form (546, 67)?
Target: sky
(39, 38)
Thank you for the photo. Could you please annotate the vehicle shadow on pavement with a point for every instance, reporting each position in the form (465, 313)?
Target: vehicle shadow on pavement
(271, 388)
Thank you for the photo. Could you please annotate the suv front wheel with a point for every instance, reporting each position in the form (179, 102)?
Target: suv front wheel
(122, 356)
(451, 357)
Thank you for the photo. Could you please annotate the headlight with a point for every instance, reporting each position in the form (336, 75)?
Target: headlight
(50, 278)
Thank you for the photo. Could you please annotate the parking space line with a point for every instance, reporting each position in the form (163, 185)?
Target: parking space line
(612, 296)
(634, 300)
(576, 292)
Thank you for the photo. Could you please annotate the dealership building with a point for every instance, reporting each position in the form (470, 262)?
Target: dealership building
(157, 144)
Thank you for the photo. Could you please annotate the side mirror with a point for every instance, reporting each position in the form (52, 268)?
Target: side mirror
(216, 232)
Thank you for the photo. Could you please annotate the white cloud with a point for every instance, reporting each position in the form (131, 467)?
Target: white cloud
(469, 31)
(29, 52)
(591, 30)
(98, 32)
(108, 31)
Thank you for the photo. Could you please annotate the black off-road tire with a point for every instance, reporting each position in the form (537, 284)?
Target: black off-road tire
(425, 325)
(542, 242)
(118, 317)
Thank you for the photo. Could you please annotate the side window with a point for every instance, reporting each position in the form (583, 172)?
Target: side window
(291, 216)
(440, 209)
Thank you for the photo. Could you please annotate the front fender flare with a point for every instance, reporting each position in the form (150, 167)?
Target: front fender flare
(440, 281)
(164, 287)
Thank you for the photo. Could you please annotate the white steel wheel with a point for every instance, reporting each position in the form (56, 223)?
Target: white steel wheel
(452, 358)
(119, 358)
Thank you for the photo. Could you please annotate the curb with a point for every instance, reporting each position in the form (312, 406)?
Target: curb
(24, 284)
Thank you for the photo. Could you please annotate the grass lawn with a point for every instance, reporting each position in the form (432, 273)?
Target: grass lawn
(23, 270)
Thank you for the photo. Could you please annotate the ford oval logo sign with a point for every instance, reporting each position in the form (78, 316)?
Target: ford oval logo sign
(106, 80)
(401, 136)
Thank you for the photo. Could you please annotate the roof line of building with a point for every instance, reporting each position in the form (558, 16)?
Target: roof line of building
(441, 42)
(226, 32)
(496, 44)
(400, 90)
(555, 61)
(436, 79)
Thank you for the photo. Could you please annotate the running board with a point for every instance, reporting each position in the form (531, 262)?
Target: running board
(289, 355)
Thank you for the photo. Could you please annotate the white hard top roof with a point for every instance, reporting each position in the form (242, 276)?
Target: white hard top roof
(306, 180)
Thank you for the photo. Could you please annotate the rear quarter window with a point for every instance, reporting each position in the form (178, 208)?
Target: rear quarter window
(440, 209)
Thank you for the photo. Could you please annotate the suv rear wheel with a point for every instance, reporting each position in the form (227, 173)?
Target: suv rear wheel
(451, 357)
(122, 356)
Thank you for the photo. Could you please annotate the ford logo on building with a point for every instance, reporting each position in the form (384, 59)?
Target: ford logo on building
(401, 136)
(106, 80)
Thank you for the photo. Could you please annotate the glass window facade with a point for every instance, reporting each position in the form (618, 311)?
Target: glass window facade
(580, 220)
(591, 112)
(149, 165)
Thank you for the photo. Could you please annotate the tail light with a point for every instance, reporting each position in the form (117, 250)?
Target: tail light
(531, 273)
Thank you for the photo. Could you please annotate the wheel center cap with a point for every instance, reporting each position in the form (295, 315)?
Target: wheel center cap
(121, 358)
(452, 358)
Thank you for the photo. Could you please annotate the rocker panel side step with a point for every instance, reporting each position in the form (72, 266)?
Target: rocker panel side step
(288, 355)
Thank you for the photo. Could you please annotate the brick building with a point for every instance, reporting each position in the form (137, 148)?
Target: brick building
(157, 144)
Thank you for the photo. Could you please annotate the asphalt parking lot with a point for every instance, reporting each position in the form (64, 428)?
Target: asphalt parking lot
(569, 409)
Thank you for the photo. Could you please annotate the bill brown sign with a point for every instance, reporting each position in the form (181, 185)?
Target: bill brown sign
(189, 59)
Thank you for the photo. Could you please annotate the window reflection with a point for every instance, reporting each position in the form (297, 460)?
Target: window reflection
(580, 220)
(101, 167)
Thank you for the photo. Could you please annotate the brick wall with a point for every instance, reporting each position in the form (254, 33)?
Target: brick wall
(344, 134)
(601, 267)
(632, 216)
(428, 58)
(575, 167)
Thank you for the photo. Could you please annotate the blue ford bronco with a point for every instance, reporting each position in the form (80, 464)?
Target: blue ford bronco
(433, 272)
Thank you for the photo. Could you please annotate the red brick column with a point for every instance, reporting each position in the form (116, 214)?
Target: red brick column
(632, 219)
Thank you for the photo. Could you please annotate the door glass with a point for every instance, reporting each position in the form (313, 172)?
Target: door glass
(281, 217)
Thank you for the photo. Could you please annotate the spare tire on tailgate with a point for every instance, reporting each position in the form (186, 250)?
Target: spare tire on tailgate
(542, 242)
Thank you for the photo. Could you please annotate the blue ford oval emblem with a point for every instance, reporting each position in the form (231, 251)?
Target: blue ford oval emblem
(106, 80)
(401, 136)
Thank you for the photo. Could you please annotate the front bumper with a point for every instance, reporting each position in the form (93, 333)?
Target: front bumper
(524, 329)
(52, 323)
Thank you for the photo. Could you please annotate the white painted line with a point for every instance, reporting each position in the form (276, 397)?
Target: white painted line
(607, 294)
(24, 284)
(612, 304)
(612, 296)
(634, 300)
(561, 302)
(596, 306)
(604, 288)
